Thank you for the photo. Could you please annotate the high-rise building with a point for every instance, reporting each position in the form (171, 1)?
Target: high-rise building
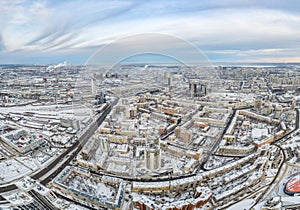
(169, 81)
(100, 98)
(294, 104)
(267, 109)
(153, 154)
(197, 89)
(193, 88)
(257, 104)
(94, 86)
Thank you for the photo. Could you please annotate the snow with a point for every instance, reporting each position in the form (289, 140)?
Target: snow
(17, 198)
(29, 163)
(75, 207)
(243, 205)
(12, 170)
(259, 132)
(102, 190)
(290, 200)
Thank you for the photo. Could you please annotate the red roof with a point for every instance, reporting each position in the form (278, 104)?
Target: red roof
(293, 184)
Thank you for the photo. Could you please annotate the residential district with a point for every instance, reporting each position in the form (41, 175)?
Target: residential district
(161, 137)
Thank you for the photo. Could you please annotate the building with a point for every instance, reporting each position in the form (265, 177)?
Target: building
(294, 104)
(90, 148)
(100, 98)
(197, 89)
(94, 86)
(293, 185)
(68, 122)
(102, 191)
(23, 140)
(197, 198)
(273, 203)
(104, 144)
(257, 104)
(42, 197)
(267, 109)
(193, 89)
(153, 154)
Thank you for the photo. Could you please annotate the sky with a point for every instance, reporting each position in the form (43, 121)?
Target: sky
(53, 31)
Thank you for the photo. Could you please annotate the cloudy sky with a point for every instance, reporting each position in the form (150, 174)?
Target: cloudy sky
(53, 31)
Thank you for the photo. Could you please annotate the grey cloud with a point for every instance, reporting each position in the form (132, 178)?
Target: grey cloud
(2, 47)
(71, 25)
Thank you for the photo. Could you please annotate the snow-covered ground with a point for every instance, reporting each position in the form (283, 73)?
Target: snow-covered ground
(243, 205)
(12, 170)
(75, 207)
(29, 162)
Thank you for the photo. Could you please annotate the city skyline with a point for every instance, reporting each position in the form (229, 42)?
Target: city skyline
(149, 105)
(46, 32)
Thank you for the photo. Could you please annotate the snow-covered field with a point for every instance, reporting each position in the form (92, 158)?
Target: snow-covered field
(12, 170)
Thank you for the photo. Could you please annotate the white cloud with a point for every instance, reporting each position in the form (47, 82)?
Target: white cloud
(247, 52)
(218, 28)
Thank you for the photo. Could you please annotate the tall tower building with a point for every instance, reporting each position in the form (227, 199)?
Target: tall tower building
(294, 104)
(94, 85)
(278, 112)
(193, 87)
(257, 104)
(153, 154)
(100, 98)
(169, 81)
(267, 109)
(197, 89)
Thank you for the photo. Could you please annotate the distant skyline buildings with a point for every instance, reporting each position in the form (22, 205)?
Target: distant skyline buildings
(47, 32)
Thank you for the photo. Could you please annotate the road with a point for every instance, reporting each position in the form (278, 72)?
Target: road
(208, 152)
(288, 135)
(277, 179)
(75, 149)
(71, 151)
(267, 191)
